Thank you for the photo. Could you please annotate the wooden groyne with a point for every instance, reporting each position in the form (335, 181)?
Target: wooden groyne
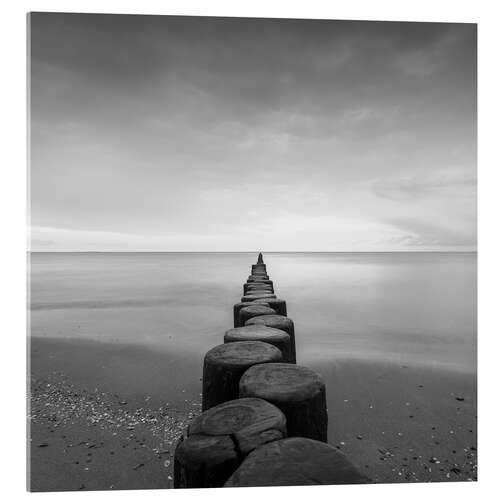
(264, 420)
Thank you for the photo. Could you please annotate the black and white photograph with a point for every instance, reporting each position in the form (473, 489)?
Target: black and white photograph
(252, 255)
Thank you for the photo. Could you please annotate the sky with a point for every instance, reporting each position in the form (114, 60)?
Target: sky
(159, 133)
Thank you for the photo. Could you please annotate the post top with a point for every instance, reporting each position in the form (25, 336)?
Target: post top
(272, 320)
(260, 260)
(258, 309)
(255, 332)
(233, 416)
(250, 298)
(246, 353)
(295, 462)
(281, 383)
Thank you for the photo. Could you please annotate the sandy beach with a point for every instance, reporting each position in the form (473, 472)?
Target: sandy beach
(107, 416)
(401, 423)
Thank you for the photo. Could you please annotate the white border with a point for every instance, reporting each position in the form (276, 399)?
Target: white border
(13, 219)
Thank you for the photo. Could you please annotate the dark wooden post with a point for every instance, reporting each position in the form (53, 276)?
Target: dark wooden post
(259, 272)
(257, 286)
(252, 398)
(297, 391)
(258, 279)
(296, 462)
(220, 438)
(279, 305)
(278, 338)
(251, 298)
(259, 267)
(258, 292)
(237, 308)
(225, 364)
(276, 321)
(258, 289)
(254, 310)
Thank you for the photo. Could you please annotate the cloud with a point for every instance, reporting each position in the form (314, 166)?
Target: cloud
(179, 129)
(417, 187)
(418, 233)
(40, 243)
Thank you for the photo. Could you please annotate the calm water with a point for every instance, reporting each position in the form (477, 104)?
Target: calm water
(412, 308)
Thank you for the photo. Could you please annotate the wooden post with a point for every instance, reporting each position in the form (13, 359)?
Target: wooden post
(254, 310)
(237, 308)
(279, 305)
(251, 298)
(278, 338)
(260, 260)
(258, 279)
(253, 396)
(261, 289)
(219, 439)
(297, 391)
(257, 286)
(259, 272)
(261, 275)
(258, 292)
(295, 462)
(276, 321)
(225, 364)
(259, 267)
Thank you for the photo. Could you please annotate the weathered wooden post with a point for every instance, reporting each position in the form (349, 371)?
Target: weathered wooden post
(258, 279)
(225, 364)
(254, 310)
(257, 286)
(261, 282)
(264, 276)
(278, 338)
(276, 321)
(279, 305)
(248, 287)
(295, 462)
(220, 438)
(297, 391)
(251, 298)
(259, 272)
(257, 292)
(239, 306)
(259, 267)
(244, 438)
(260, 260)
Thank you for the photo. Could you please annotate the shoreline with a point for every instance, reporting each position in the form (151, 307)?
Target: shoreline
(108, 416)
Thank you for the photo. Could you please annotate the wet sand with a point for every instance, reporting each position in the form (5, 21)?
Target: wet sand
(108, 415)
(401, 423)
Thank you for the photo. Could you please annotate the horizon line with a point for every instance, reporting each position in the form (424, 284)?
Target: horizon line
(251, 251)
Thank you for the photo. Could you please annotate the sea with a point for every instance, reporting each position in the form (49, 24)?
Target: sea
(410, 308)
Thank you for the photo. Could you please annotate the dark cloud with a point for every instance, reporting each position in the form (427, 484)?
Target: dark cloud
(155, 125)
